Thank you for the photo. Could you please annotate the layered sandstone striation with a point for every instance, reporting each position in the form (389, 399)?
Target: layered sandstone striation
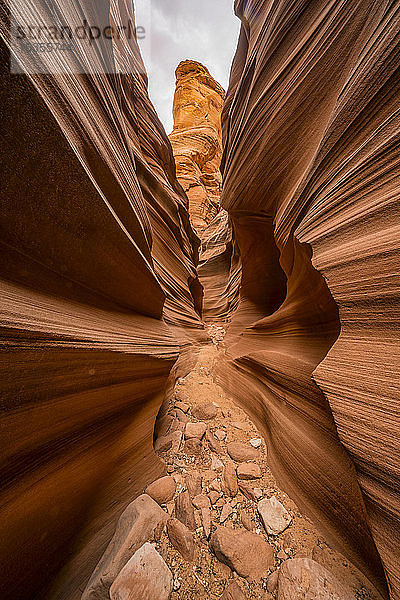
(99, 297)
(101, 294)
(219, 269)
(197, 139)
(310, 173)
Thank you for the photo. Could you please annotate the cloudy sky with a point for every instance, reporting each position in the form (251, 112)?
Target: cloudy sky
(203, 30)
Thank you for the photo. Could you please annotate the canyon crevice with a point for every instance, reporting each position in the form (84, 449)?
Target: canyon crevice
(124, 249)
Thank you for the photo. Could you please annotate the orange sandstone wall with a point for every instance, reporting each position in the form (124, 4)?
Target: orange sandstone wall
(98, 297)
(311, 185)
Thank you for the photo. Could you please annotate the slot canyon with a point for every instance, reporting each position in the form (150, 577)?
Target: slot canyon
(199, 331)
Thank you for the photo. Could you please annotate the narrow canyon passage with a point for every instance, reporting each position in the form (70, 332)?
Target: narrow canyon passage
(230, 531)
(199, 351)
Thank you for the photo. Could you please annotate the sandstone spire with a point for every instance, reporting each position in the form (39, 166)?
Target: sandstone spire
(197, 139)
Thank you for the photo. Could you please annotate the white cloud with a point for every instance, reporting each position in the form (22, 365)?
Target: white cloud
(205, 30)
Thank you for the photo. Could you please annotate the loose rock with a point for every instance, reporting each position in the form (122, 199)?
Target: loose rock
(205, 412)
(233, 592)
(229, 479)
(172, 442)
(272, 582)
(247, 491)
(163, 443)
(305, 579)
(241, 425)
(195, 430)
(193, 447)
(249, 471)
(227, 510)
(164, 425)
(221, 570)
(274, 515)
(220, 434)
(193, 483)
(182, 406)
(180, 415)
(181, 396)
(142, 521)
(184, 510)
(215, 486)
(213, 495)
(201, 501)
(162, 490)
(241, 452)
(214, 444)
(244, 552)
(144, 577)
(258, 493)
(177, 426)
(247, 522)
(256, 442)
(181, 539)
(216, 464)
(205, 514)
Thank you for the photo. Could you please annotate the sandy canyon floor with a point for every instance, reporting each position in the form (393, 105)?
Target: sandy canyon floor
(200, 475)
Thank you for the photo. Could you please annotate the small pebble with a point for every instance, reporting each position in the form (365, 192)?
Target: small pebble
(256, 442)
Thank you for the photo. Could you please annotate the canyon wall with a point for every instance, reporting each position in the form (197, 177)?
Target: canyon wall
(197, 139)
(99, 297)
(219, 269)
(100, 293)
(311, 182)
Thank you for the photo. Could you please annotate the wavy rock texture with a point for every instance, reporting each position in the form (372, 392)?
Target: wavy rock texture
(219, 269)
(197, 139)
(311, 127)
(99, 294)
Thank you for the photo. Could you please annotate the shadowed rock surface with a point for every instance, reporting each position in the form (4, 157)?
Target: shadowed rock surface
(311, 128)
(99, 297)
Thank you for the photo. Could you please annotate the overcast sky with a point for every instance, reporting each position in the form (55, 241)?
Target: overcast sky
(203, 30)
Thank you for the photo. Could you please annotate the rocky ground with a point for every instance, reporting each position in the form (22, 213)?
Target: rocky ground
(220, 526)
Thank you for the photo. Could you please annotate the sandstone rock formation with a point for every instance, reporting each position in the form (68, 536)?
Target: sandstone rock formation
(197, 146)
(197, 139)
(99, 294)
(219, 269)
(101, 301)
(310, 172)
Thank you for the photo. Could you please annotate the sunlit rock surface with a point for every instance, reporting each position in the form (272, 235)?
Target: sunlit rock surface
(310, 170)
(197, 146)
(197, 139)
(98, 295)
